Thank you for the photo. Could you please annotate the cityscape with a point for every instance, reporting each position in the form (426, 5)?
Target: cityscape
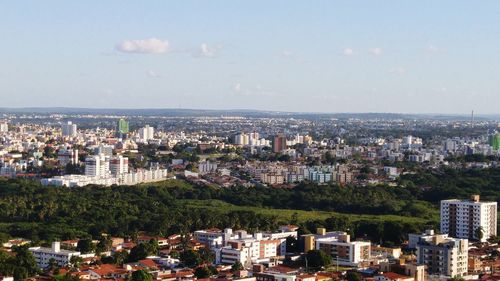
(249, 140)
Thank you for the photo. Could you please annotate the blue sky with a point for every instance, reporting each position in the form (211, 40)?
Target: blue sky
(314, 56)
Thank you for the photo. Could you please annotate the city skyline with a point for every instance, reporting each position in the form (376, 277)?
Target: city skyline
(356, 56)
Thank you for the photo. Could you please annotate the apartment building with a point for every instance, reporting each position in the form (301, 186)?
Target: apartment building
(338, 244)
(443, 255)
(464, 218)
(44, 255)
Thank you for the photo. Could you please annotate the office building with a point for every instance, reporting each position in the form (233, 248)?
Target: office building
(69, 129)
(122, 127)
(442, 255)
(466, 218)
(495, 141)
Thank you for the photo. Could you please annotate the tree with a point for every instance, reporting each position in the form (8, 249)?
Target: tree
(139, 252)
(140, 275)
(190, 258)
(318, 258)
(456, 278)
(353, 276)
(206, 255)
(75, 261)
(237, 266)
(479, 233)
(85, 246)
(202, 272)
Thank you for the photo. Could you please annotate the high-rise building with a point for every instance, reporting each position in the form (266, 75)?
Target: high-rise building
(118, 165)
(279, 143)
(495, 141)
(69, 129)
(67, 156)
(441, 254)
(122, 127)
(466, 218)
(4, 127)
(97, 165)
(146, 133)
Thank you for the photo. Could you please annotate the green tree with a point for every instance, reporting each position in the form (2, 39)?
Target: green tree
(202, 272)
(85, 246)
(190, 258)
(141, 275)
(237, 266)
(353, 276)
(318, 258)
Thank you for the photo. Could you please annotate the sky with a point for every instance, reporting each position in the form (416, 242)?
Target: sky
(304, 56)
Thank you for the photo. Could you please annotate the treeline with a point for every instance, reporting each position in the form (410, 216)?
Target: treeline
(436, 185)
(45, 214)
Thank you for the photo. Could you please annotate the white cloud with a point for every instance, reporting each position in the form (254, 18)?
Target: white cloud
(348, 52)
(144, 46)
(286, 53)
(432, 49)
(236, 87)
(397, 70)
(376, 51)
(208, 51)
(153, 74)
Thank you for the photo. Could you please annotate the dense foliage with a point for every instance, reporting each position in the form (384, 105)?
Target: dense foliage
(45, 214)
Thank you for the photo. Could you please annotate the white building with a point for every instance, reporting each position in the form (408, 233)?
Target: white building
(338, 244)
(463, 218)
(67, 156)
(69, 129)
(146, 133)
(442, 255)
(207, 167)
(118, 165)
(44, 255)
(4, 127)
(97, 165)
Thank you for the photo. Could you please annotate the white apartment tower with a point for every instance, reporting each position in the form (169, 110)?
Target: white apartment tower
(146, 133)
(69, 129)
(118, 165)
(4, 127)
(97, 165)
(442, 255)
(463, 218)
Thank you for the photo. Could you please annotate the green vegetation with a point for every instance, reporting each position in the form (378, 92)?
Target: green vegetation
(382, 214)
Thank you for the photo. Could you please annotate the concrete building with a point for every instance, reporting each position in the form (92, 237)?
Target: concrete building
(464, 218)
(67, 156)
(118, 165)
(97, 165)
(4, 127)
(279, 143)
(146, 133)
(44, 255)
(69, 129)
(338, 244)
(207, 167)
(442, 255)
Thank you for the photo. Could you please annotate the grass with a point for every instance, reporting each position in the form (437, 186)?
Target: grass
(302, 215)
